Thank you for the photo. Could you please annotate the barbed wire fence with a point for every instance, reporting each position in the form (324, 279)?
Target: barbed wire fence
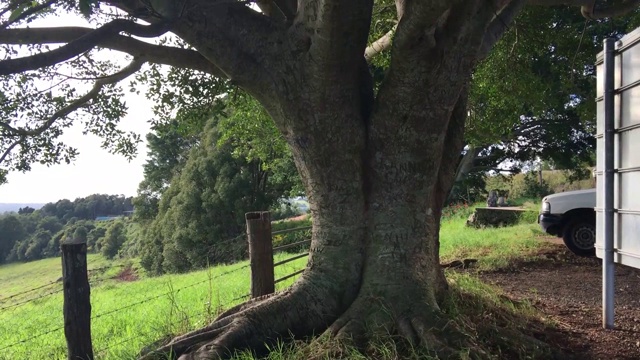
(7, 303)
(209, 312)
(129, 306)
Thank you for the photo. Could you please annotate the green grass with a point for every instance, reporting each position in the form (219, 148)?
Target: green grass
(500, 327)
(131, 315)
(151, 308)
(493, 247)
(18, 277)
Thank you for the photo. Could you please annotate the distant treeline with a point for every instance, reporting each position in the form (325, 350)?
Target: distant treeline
(33, 234)
(87, 208)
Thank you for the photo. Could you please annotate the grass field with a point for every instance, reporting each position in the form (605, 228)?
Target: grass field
(128, 315)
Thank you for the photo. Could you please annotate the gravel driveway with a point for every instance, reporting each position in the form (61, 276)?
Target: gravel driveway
(568, 289)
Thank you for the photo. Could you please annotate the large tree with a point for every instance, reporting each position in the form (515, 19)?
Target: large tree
(376, 161)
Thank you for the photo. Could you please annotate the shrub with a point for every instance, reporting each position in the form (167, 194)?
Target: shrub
(532, 187)
(291, 237)
(113, 240)
(456, 211)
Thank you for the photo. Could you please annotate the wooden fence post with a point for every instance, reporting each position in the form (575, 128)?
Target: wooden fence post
(77, 305)
(260, 253)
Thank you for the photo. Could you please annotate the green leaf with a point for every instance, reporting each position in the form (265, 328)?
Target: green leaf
(87, 6)
(18, 11)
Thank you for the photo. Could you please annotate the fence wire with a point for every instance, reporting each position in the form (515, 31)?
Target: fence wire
(175, 291)
(127, 306)
(169, 293)
(145, 335)
(31, 338)
(27, 291)
(14, 305)
(5, 300)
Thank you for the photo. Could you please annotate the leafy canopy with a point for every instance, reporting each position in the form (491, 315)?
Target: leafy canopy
(54, 77)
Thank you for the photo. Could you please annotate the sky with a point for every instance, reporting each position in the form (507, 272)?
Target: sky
(95, 170)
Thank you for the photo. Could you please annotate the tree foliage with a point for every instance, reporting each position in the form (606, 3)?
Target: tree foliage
(376, 150)
(199, 182)
(168, 150)
(531, 99)
(113, 239)
(11, 231)
(89, 207)
(35, 234)
(204, 205)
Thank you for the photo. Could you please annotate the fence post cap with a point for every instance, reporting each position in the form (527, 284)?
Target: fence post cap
(72, 241)
(258, 215)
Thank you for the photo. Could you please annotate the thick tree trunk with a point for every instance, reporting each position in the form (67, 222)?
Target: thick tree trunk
(376, 172)
(375, 196)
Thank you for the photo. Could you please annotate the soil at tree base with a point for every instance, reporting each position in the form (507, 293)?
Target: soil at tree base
(567, 289)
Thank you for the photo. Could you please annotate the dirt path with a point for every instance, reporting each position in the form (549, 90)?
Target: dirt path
(567, 289)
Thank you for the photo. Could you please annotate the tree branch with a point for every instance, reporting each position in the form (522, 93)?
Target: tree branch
(590, 11)
(78, 46)
(417, 18)
(400, 4)
(245, 45)
(10, 148)
(166, 55)
(386, 40)
(130, 69)
(379, 45)
(289, 8)
(499, 25)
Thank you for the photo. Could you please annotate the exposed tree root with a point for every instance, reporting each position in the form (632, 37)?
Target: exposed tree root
(415, 324)
(369, 325)
(256, 324)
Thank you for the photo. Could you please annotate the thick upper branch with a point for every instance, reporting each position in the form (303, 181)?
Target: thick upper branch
(339, 30)
(80, 45)
(245, 45)
(152, 53)
(500, 25)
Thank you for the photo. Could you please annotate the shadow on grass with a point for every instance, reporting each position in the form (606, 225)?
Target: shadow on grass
(496, 326)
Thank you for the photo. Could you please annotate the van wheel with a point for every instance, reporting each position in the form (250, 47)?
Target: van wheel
(580, 237)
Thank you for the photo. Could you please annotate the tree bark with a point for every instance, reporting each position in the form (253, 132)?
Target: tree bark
(376, 167)
(77, 302)
(375, 195)
(376, 171)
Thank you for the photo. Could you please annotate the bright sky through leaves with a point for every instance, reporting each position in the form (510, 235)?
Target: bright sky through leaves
(95, 170)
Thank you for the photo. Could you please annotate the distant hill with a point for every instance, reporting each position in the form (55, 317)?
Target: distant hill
(8, 207)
